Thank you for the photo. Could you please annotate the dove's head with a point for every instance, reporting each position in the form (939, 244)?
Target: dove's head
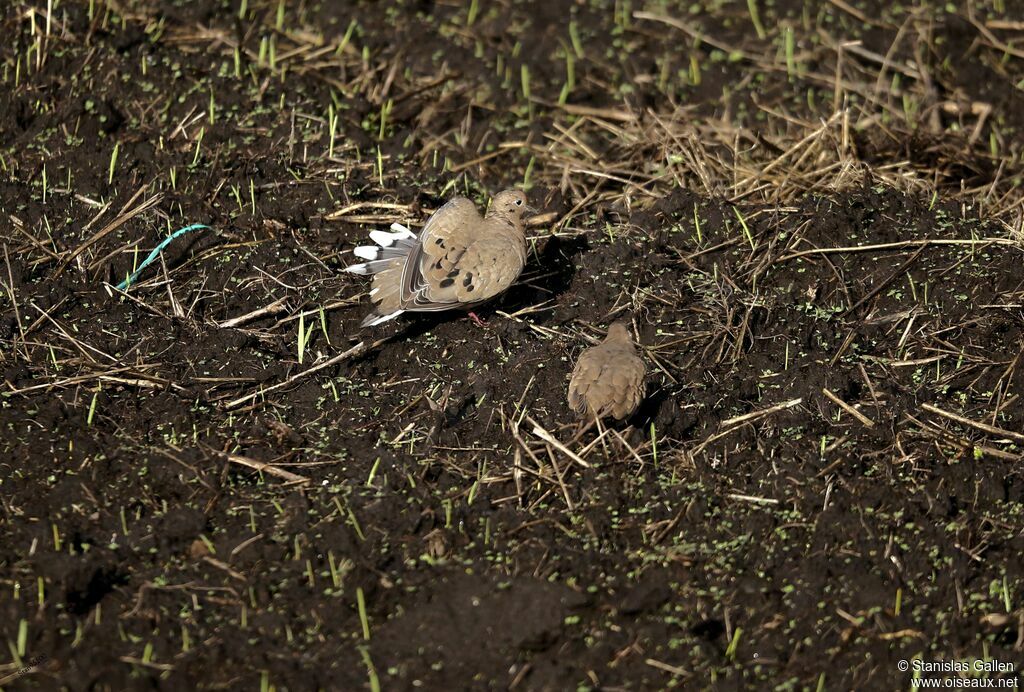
(619, 331)
(510, 204)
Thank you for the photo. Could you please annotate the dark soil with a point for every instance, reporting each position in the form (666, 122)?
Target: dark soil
(824, 479)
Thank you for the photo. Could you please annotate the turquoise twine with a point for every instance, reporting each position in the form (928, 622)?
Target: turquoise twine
(123, 286)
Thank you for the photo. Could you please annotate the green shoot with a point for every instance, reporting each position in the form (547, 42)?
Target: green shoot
(385, 111)
(730, 652)
(524, 77)
(22, 636)
(574, 36)
(790, 43)
(113, 162)
(199, 146)
(92, 409)
(373, 472)
(361, 601)
(332, 127)
(570, 77)
(527, 173)
(755, 17)
(746, 229)
(346, 38)
(371, 672)
(335, 577)
(323, 325)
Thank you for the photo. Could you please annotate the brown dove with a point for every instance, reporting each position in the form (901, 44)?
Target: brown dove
(459, 258)
(608, 379)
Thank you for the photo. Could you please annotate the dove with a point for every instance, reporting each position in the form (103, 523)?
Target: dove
(608, 379)
(458, 260)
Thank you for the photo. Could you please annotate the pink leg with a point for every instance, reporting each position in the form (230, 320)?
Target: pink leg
(479, 322)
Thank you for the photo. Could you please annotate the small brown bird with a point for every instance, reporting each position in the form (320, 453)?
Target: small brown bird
(608, 379)
(459, 259)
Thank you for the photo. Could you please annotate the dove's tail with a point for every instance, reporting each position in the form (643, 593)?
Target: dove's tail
(385, 261)
(390, 246)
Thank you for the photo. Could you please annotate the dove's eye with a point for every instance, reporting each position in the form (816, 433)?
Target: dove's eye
(519, 202)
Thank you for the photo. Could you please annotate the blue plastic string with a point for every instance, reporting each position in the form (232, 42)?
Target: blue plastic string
(123, 286)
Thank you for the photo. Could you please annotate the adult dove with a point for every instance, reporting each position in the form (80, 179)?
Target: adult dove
(458, 260)
(608, 379)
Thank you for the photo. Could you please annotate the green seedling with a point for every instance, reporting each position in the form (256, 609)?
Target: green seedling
(199, 146)
(363, 618)
(755, 17)
(524, 78)
(570, 77)
(574, 37)
(746, 229)
(332, 128)
(790, 48)
(113, 162)
(371, 672)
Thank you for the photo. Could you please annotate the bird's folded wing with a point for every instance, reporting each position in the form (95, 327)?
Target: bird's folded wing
(461, 262)
(608, 381)
(626, 385)
(443, 239)
(584, 378)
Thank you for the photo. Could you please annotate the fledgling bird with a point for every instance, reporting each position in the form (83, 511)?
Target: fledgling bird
(458, 260)
(608, 379)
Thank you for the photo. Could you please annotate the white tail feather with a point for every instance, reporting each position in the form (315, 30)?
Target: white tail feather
(385, 239)
(375, 262)
(402, 231)
(381, 319)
